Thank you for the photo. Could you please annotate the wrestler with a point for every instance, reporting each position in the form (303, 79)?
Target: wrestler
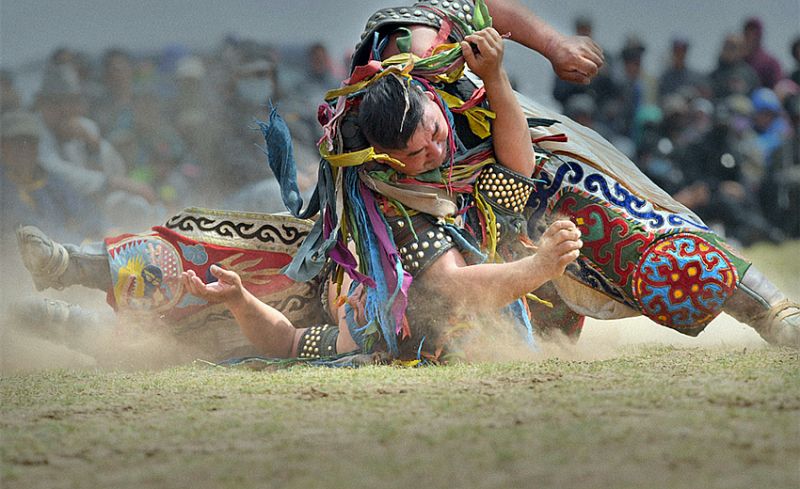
(595, 171)
(425, 148)
(404, 121)
(644, 253)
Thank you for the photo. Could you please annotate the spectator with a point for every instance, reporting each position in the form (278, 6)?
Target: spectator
(244, 178)
(765, 65)
(114, 112)
(733, 75)
(72, 148)
(768, 121)
(715, 186)
(678, 75)
(781, 190)
(30, 195)
(195, 119)
(637, 88)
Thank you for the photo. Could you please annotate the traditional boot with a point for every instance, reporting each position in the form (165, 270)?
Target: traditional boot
(53, 265)
(758, 303)
(56, 320)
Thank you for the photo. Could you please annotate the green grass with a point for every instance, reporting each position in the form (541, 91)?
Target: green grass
(651, 417)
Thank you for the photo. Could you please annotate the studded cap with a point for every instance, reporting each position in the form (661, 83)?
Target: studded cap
(426, 12)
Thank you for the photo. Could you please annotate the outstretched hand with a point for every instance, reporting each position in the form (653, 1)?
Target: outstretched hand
(558, 247)
(228, 287)
(575, 59)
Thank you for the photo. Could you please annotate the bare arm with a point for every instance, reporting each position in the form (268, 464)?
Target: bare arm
(502, 283)
(266, 327)
(574, 58)
(511, 139)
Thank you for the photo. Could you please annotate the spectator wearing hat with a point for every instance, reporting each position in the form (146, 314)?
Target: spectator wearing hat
(31, 195)
(678, 74)
(768, 121)
(637, 88)
(732, 76)
(765, 65)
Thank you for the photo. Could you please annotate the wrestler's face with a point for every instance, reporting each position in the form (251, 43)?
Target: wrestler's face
(428, 147)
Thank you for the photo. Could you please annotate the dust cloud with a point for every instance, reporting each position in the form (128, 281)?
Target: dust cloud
(105, 341)
(94, 337)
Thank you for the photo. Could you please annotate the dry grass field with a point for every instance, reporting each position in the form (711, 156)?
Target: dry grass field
(631, 405)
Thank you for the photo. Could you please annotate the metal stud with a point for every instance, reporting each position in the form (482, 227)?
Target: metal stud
(401, 224)
(456, 6)
(439, 236)
(430, 16)
(445, 4)
(467, 8)
(461, 15)
(437, 244)
(425, 245)
(416, 264)
(421, 254)
(414, 246)
(418, 12)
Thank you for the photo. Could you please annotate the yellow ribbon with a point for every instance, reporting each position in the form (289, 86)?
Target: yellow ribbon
(403, 71)
(356, 158)
(478, 117)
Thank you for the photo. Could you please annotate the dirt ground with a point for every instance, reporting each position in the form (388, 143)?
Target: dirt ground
(631, 405)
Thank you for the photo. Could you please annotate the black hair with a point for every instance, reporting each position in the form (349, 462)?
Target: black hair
(383, 116)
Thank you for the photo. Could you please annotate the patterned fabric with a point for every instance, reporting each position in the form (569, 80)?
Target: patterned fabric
(564, 174)
(625, 240)
(682, 281)
(146, 267)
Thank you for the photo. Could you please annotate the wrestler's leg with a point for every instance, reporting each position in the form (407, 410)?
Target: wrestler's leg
(758, 303)
(53, 265)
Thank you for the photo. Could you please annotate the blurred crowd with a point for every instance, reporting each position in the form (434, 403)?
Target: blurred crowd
(121, 142)
(722, 140)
